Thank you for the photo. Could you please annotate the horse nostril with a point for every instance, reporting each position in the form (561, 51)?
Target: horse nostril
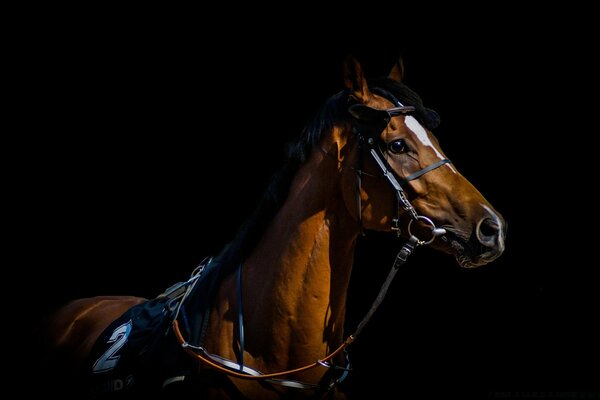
(488, 232)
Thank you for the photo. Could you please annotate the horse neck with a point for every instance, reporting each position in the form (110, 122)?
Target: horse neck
(295, 281)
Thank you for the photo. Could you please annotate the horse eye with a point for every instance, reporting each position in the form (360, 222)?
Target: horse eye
(397, 146)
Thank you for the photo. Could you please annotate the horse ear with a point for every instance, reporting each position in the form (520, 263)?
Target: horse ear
(397, 72)
(354, 79)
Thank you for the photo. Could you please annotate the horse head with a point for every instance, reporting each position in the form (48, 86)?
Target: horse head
(392, 144)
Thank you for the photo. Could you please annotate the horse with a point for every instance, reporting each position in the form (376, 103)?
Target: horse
(264, 318)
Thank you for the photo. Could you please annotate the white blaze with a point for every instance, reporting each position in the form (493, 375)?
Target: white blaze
(422, 135)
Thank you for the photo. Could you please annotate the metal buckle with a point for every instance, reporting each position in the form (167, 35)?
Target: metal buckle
(396, 226)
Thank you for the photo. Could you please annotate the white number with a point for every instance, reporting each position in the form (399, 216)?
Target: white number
(109, 360)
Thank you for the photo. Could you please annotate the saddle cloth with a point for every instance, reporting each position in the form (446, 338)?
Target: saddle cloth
(138, 351)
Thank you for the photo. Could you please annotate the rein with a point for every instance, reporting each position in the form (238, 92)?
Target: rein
(368, 124)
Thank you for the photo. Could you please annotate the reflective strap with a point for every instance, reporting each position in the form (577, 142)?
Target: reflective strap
(232, 364)
(174, 379)
(293, 384)
(282, 382)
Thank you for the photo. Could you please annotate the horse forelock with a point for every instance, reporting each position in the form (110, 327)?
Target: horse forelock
(426, 116)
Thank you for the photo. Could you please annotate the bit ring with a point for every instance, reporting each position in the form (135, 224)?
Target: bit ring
(427, 222)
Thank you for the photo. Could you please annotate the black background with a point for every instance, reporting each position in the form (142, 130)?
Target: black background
(142, 141)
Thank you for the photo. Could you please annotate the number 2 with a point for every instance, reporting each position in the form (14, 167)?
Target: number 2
(109, 359)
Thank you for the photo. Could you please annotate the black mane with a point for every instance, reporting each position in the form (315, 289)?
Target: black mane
(333, 112)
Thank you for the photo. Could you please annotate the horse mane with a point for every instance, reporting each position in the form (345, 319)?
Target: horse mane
(333, 112)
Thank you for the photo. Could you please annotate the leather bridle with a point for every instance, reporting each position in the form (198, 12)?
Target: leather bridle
(368, 123)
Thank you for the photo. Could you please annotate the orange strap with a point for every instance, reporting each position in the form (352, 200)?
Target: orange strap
(229, 372)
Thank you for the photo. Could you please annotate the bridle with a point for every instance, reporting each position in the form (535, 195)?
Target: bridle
(368, 123)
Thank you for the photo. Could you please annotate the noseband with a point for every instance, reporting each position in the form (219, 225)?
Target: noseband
(368, 125)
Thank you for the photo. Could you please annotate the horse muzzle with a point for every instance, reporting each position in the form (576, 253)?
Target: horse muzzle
(484, 245)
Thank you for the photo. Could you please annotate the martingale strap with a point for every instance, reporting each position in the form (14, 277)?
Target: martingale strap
(238, 370)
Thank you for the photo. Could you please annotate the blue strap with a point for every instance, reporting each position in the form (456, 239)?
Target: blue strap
(240, 318)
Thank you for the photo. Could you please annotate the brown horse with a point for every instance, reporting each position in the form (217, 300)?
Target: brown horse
(275, 314)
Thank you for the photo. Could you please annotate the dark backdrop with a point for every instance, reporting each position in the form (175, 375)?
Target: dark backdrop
(145, 143)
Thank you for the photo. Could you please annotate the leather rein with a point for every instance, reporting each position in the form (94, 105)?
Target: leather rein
(368, 125)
